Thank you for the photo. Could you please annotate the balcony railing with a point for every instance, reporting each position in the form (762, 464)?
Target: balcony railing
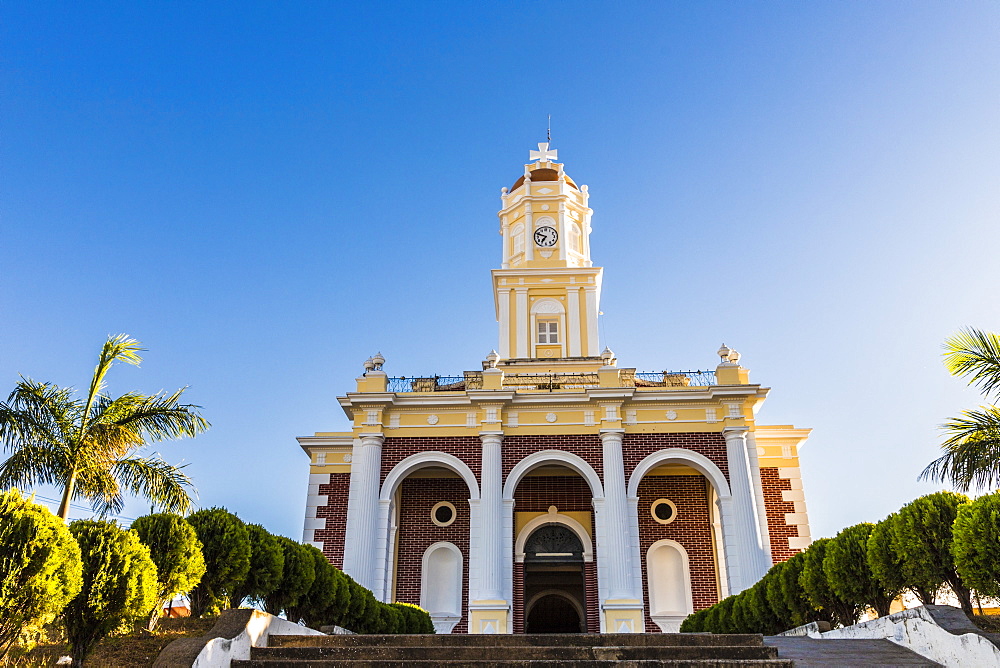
(668, 379)
(472, 380)
(552, 382)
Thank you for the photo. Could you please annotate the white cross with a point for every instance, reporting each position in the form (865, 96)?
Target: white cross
(543, 153)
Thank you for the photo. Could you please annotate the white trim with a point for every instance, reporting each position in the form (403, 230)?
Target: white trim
(444, 620)
(669, 620)
(536, 459)
(421, 460)
(695, 459)
(659, 502)
(554, 518)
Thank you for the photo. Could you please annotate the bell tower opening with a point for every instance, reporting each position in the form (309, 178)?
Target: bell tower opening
(554, 592)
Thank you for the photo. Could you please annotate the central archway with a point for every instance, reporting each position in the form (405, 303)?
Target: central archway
(554, 589)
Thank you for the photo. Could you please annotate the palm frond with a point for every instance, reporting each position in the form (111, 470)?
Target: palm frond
(976, 354)
(972, 451)
(118, 348)
(98, 486)
(154, 418)
(164, 484)
(38, 413)
(34, 464)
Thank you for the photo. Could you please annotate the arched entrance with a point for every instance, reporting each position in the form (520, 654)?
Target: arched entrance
(554, 590)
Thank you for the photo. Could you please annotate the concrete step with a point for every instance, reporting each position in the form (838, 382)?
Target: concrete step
(518, 663)
(525, 640)
(529, 653)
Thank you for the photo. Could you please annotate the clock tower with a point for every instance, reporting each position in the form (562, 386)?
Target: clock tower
(547, 292)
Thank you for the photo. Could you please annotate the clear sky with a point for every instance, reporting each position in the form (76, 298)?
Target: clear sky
(265, 194)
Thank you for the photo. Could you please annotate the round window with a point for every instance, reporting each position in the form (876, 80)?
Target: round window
(663, 511)
(443, 514)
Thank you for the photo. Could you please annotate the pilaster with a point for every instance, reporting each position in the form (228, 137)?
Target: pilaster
(746, 528)
(360, 537)
(623, 606)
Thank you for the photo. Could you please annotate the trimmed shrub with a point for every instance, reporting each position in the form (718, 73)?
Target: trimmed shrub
(923, 533)
(313, 607)
(119, 585)
(40, 570)
(415, 618)
(267, 562)
(977, 544)
(847, 570)
(226, 549)
(175, 549)
(818, 590)
(800, 610)
(297, 577)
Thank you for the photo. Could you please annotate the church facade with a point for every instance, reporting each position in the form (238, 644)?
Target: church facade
(555, 489)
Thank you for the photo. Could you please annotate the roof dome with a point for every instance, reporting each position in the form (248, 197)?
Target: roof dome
(543, 174)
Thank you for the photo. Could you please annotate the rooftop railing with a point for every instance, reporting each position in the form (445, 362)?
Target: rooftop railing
(552, 382)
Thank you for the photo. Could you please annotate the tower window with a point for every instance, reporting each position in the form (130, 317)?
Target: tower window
(517, 240)
(575, 238)
(548, 331)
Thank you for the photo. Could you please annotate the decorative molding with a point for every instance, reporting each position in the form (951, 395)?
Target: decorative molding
(542, 457)
(432, 419)
(551, 417)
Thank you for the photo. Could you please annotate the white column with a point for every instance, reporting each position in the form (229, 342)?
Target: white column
(522, 331)
(593, 340)
(360, 538)
(529, 225)
(563, 235)
(503, 305)
(616, 552)
(758, 492)
(746, 527)
(491, 514)
(573, 320)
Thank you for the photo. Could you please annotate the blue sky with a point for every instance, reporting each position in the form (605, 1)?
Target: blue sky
(265, 194)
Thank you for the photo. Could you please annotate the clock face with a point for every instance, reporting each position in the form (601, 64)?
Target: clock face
(546, 236)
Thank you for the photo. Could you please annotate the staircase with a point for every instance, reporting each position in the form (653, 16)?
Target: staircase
(517, 651)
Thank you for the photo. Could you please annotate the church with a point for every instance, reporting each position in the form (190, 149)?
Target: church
(555, 489)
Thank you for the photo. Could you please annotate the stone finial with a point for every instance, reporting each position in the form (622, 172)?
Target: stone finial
(608, 356)
(734, 357)
(369, 365)
(492, 359)
(723, 353)
(378, 361)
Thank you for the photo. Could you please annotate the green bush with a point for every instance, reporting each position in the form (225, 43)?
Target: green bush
(267, 562)
(923, 533)
(847, 570)
(818, 590)
(313, 607)
(119, 585)
(297, 577)
(40, 570)
(977, 544)
(415, 618)
(226, 548)
(175, 549)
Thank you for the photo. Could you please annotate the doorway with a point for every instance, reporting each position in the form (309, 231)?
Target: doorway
(554, 593)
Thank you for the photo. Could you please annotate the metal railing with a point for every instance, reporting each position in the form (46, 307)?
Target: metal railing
(669, 379)
(472, 380)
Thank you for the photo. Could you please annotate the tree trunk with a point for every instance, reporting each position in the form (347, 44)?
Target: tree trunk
(154, 616)
(67, 496)
(926, 596)
(963, 594)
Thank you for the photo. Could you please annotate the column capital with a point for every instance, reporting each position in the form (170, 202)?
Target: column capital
(491, 436)
(734, 432)
(371, 438)
(612, 434)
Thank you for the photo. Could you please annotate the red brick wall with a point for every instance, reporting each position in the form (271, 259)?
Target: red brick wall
(585, 446)
(637, 447)
(776, 509)
(417, 532)
(691, 529)
(335, 513)
(537, 493)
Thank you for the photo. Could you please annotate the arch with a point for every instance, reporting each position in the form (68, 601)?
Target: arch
(568, 459)
(668, 577)
(441, 585)
(694, 459)
(423, 460)
(547, 306)
(577, 605)
(554, 518)
(545, 221)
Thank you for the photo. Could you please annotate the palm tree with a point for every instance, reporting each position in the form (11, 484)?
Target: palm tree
(972, 448)
(89, 447)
